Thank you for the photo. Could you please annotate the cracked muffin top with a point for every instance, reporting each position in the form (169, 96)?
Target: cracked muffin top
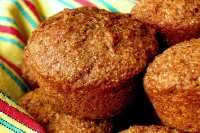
(90, 47)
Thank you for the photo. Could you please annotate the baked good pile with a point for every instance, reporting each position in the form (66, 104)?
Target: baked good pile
(93, 71)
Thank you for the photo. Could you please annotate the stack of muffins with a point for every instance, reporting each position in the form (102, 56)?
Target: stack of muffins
(86, 64)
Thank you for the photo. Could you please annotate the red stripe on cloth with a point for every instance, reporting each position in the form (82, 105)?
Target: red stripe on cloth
(13, 31)
(85, 3)
(20, 117)
(10, 64)
(32, 8)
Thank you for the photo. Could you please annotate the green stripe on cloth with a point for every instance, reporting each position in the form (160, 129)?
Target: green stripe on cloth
(108, 5)
(20, 83)
(12, 41)
(10, 126)
(6, 95)
(7, 19)
(24, 13)
(67, 4)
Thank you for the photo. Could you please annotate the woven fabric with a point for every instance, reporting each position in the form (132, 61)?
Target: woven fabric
(14, 119)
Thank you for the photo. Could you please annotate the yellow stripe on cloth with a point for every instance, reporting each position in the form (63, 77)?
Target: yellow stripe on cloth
(7, 23)
(3, 129)
(44, 11)
(15, 119)
(7, 19)
(123, 6)
(98, 4)
(11, 36)
(28, 11)
(20, 12)
(8, 86)
(54, 6)
(23, 27)
(11, 49)
(10, 82)
(16, 123)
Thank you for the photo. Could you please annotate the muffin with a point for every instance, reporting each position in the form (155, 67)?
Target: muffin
(47, 110)
(172, 83)
(150, 129)
(29, 75)
(177, 20)
(43, 107)
(92, 57)
(68, 124)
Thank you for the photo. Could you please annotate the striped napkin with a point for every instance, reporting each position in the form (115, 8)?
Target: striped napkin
(14, 119)
(18, 18)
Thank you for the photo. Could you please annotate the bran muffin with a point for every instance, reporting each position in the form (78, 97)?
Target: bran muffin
(177, 20)
(172, 83)
(29, 75)
(68, 124)
(47, 110)
(91, 55)
(43, 107)
(150, 129)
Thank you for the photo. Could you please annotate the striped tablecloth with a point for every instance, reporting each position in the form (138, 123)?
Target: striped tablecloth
(18, 18)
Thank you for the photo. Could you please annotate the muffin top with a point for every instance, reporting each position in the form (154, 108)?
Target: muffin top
(169, 13)
(178, 68)
(90, 47)
(69, 124)
(150, 129)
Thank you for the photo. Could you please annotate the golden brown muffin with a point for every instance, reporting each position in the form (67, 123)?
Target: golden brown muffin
(47, 109)
(172, 83)
(43, 107)
(91, 55)
(178, 20)
(68, 124)
(150, 129)
(29, 75)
